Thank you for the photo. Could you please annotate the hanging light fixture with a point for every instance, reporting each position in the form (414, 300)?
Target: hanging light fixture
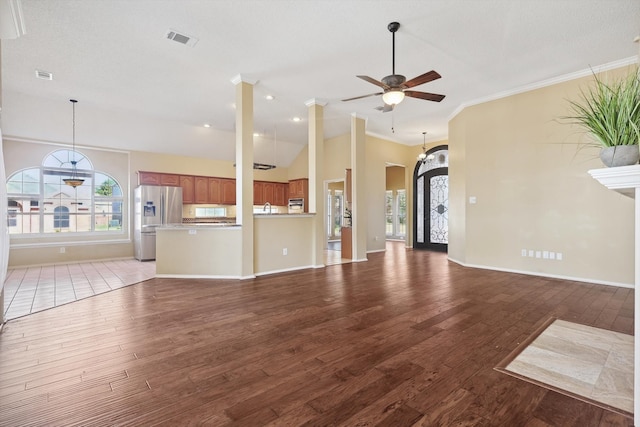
(74, 181)
(422, 157)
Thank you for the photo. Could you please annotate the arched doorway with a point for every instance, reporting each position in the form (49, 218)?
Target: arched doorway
(431, 201)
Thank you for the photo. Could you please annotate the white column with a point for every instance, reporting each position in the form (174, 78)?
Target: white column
(626, 180)
(244, 170)
(358, 184)
(316, 176)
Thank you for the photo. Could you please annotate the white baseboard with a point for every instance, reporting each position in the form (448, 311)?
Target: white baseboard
(539, 274)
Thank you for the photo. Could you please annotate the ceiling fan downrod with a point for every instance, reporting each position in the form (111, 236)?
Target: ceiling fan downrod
(393, 27)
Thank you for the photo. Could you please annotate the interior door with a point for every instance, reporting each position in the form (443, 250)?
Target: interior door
(431, 201)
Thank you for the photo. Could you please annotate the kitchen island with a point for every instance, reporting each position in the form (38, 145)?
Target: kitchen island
(281, 242)
(198, 251)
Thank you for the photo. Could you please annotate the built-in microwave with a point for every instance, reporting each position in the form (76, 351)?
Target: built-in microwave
(296, 206)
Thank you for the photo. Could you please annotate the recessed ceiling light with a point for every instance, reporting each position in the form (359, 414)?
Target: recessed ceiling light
(44, 75)
(207, 125)
(296, 119)
(269, 97)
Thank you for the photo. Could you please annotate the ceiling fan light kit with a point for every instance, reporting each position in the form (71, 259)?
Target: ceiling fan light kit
(395, 85)
(393, 97)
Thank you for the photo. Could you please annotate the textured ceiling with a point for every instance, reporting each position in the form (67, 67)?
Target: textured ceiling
(139, 90)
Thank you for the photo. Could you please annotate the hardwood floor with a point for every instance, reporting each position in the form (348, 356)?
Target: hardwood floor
(404, 339)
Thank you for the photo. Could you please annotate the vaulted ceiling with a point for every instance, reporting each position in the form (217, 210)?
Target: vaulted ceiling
(139, 90)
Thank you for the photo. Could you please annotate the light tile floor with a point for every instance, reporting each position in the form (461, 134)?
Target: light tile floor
(591, 363)
(32, 289)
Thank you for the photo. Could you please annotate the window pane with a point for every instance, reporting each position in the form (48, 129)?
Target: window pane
(24, 182)
(402, 213)
(389, 212)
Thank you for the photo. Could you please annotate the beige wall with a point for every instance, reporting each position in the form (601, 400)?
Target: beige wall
(533, 192)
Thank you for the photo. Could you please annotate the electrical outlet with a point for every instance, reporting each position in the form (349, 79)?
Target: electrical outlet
(523, 252)
(284, 251)
(63, 250)
(545, 254)
(538, 254)
(559, 256)
(192, 231)
(552, 255)
(530, 253)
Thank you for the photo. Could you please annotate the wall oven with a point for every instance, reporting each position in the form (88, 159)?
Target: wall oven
(296, 206)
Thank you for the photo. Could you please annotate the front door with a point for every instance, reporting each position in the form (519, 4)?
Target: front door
(431, 201)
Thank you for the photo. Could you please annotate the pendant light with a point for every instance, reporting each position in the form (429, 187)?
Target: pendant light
(422, 157)
(74, 181)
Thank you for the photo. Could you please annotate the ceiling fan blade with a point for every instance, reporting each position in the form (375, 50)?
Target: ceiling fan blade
(424, 95)
(424, 78)
(373, 81)
(363, 96)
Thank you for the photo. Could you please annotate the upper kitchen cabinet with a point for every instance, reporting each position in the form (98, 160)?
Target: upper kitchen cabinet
(158, 178)
(228, 191)
(299, 189)
(170, 179)
(258, 193)
(187, 182)
(201, 189)
(215, 190)
(280, 194)
(149, 178)
(268, 193)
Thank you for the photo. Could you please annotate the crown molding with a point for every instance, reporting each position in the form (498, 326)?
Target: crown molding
(544, 83)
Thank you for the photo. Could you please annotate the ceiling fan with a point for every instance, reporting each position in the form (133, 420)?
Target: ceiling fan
(395, 85)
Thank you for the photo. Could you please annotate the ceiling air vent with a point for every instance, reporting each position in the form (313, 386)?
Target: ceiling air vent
(44, 75)
(179, 37)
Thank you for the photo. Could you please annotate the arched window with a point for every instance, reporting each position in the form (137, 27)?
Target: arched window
(61, 217)
(41, 203)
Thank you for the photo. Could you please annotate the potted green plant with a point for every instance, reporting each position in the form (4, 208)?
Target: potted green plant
(610, 113)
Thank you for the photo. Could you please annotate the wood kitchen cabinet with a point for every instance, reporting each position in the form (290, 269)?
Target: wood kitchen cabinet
(258, 190)
(170, 179)
(201, 189)
(198, 189)
(215, 190)
(188, 188)
(149, 178)
(158, 178)
(268, 193)
(280, 194)
(299, 189)
(228, 191)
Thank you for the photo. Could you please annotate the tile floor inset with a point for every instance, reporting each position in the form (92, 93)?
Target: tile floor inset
(582, 361)
(32, 289)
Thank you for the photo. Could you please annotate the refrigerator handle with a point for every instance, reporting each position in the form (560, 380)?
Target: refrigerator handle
(163, 211)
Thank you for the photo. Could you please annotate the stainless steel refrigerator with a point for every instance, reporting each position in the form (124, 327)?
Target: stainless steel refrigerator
(154, 206)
